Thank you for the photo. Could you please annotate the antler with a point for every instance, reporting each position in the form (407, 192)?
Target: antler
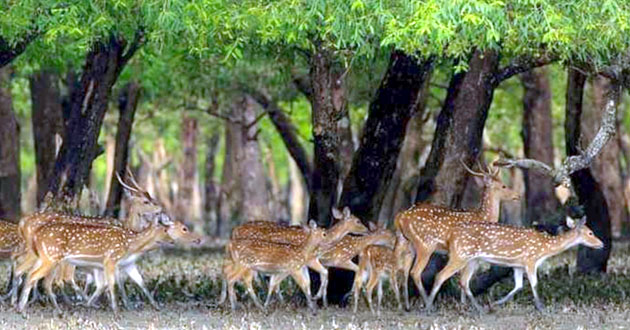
(471, 171)
(133, 179)
(126, 186)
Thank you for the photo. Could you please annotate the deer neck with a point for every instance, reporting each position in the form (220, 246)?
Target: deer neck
(335, 233)
(134, 218)
(562, 242)
(145, 240)
(310, 247)
(490, 205)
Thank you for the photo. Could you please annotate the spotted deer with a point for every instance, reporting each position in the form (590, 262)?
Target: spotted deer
(297, 235)
(143, 209)
(377, 262)
(428, 226)
(523, 249)
(11, 245)
(250, 256)
(96, 246)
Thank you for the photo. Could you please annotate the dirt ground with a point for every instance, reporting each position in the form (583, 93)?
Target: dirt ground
(186, 285)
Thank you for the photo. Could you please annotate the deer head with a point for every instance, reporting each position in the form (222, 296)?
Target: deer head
(347, 220)
(144, 210)
(585, 234)
(490, 179)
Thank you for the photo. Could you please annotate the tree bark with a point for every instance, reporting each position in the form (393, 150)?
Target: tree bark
(47, 121)
(211, 188)
(127, 104)
(606, 168)
(540, 198)
(10, 193)
(325, 82)
(587, 189)
(458, 131)
(88, 104)
(395, 102)
(188, 171)
(253, 183)
(230, 198)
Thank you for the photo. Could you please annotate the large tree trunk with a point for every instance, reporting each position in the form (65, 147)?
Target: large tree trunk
(606, 168)
(395, 102)
(127, 104)
(88, 104)
(587, 189)
(458, 131)
(47, 121)
(253, 184)
(10, 193)
(187, 208)
(540, 199)
(211, 188)
(230, 199)
(325, 82)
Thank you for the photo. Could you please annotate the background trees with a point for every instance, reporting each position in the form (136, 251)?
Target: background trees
(373, 103)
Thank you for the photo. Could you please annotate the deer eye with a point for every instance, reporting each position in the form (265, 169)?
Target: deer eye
(504, 186)
(185, 229)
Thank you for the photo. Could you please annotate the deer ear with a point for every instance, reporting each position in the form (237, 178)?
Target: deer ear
(336, 213)
(312, 224)
(581, 222)
(570, 222)
(346, 212)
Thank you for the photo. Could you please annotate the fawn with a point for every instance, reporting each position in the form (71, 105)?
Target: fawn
(250, 255)
(523, 249)
(375, 263)
(427, 226)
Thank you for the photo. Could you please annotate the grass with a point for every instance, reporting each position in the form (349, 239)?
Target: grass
(187, 285)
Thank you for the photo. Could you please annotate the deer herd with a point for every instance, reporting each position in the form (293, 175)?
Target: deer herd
(51, 246)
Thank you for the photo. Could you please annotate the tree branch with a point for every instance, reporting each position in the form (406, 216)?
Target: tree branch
(303, 85)
(9, 52)
(522, 64)
(287, 131)
(138, 41)
(578, 162)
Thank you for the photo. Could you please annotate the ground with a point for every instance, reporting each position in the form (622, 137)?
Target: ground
(186, 285)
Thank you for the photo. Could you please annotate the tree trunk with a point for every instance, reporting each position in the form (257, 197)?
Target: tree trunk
(88, 104)
(211, 188)
(47, 121)
(458, 131)
(298, 196)
(395, 102)
(606, 168)
(253, 184)
(186, 208)
(587, 189)
(127, 104)
(325, 115)
(10, 193)
(540, 199)
(230, 199)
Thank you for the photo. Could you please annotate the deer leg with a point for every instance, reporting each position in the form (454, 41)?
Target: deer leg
(233, 275)
(453, 266)
(110, 279)
(323, 278)
(423, 254)
(42, 269)
(405, 281)
(10, 283)
(248, 279)
(533, 281)
(120, 283)
(99, 283)
(227, 267)
(360, 276)
(133, 272)
(48, 284)
(464, 282)
(518, 284)
(393, 283)
(304, 283)
(274, 282)
(369, 289)
(379, 295)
